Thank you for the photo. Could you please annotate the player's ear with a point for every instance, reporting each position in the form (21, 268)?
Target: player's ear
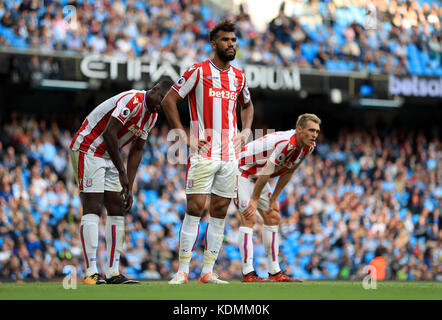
(213, 45)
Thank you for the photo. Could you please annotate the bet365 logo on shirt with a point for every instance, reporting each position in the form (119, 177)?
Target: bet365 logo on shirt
(224, 94)
(135, 130)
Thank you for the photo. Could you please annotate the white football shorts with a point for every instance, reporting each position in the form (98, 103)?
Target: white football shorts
(94, 174)
(245, 191)
(205, 176)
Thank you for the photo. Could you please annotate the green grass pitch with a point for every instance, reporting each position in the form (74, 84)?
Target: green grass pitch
(235, 290)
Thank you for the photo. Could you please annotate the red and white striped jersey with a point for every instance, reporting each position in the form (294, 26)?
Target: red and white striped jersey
(213, 95)
(129, 108)
(277, 147)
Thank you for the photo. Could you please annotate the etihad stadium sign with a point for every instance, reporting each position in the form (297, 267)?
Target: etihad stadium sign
(138, 69)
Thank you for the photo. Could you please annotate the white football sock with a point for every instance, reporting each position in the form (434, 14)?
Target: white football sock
(89, 241)
(114, 234)
(246, 249)
(213, 241)
(188, 237)
(271, 245)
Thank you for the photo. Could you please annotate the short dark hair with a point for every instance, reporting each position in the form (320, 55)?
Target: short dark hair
(380, 251)
(164, 84)
(226, 25)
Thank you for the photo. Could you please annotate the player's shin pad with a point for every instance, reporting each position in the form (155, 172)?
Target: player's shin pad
(211, 254)
(209, 258)
(185, 257)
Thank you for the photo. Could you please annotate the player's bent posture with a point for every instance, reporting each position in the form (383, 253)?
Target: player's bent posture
(101, 175)
(276, 154)
(213, 88)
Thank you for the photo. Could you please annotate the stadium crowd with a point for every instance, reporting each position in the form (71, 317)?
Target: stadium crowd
(359, 192)
(386, 36)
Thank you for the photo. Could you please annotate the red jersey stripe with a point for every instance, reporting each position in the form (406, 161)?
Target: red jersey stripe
(239, 79)
(84, 125)
(225, 118)
(208, 105)
(96, 131)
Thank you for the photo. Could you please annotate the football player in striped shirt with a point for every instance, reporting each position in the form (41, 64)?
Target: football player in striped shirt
(277, 154)
(101, 175)
(213, 88)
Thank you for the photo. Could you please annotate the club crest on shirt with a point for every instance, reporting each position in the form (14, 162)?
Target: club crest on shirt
(190, 184)
(181, 81)
(125, 112)
(243, 204)
(88, 182)
(235, 83)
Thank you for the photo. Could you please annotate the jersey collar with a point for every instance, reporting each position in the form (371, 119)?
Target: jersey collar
(227, 70)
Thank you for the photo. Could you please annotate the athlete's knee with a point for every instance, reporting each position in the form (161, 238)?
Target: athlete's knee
(218, 210)
(248, 221)
(195, 208)
(272, 218)
(93, 207)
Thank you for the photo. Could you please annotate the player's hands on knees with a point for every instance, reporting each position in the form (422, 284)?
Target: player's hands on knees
(251, 209)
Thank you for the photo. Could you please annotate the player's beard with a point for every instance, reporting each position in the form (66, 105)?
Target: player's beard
(224, 56)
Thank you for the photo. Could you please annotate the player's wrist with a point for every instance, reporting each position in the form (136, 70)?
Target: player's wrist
(254, 200)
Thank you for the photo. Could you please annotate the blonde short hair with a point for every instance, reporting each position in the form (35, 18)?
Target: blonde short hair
(303, 118)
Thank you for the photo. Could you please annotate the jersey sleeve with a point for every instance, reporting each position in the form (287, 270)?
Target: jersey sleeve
(244, 95)
(184, 85)
(278, 155)
(126, 107)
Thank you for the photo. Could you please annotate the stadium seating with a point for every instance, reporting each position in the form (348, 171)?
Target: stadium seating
(419, 62)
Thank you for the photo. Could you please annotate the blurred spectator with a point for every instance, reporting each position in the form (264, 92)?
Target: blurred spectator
(380, 264)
